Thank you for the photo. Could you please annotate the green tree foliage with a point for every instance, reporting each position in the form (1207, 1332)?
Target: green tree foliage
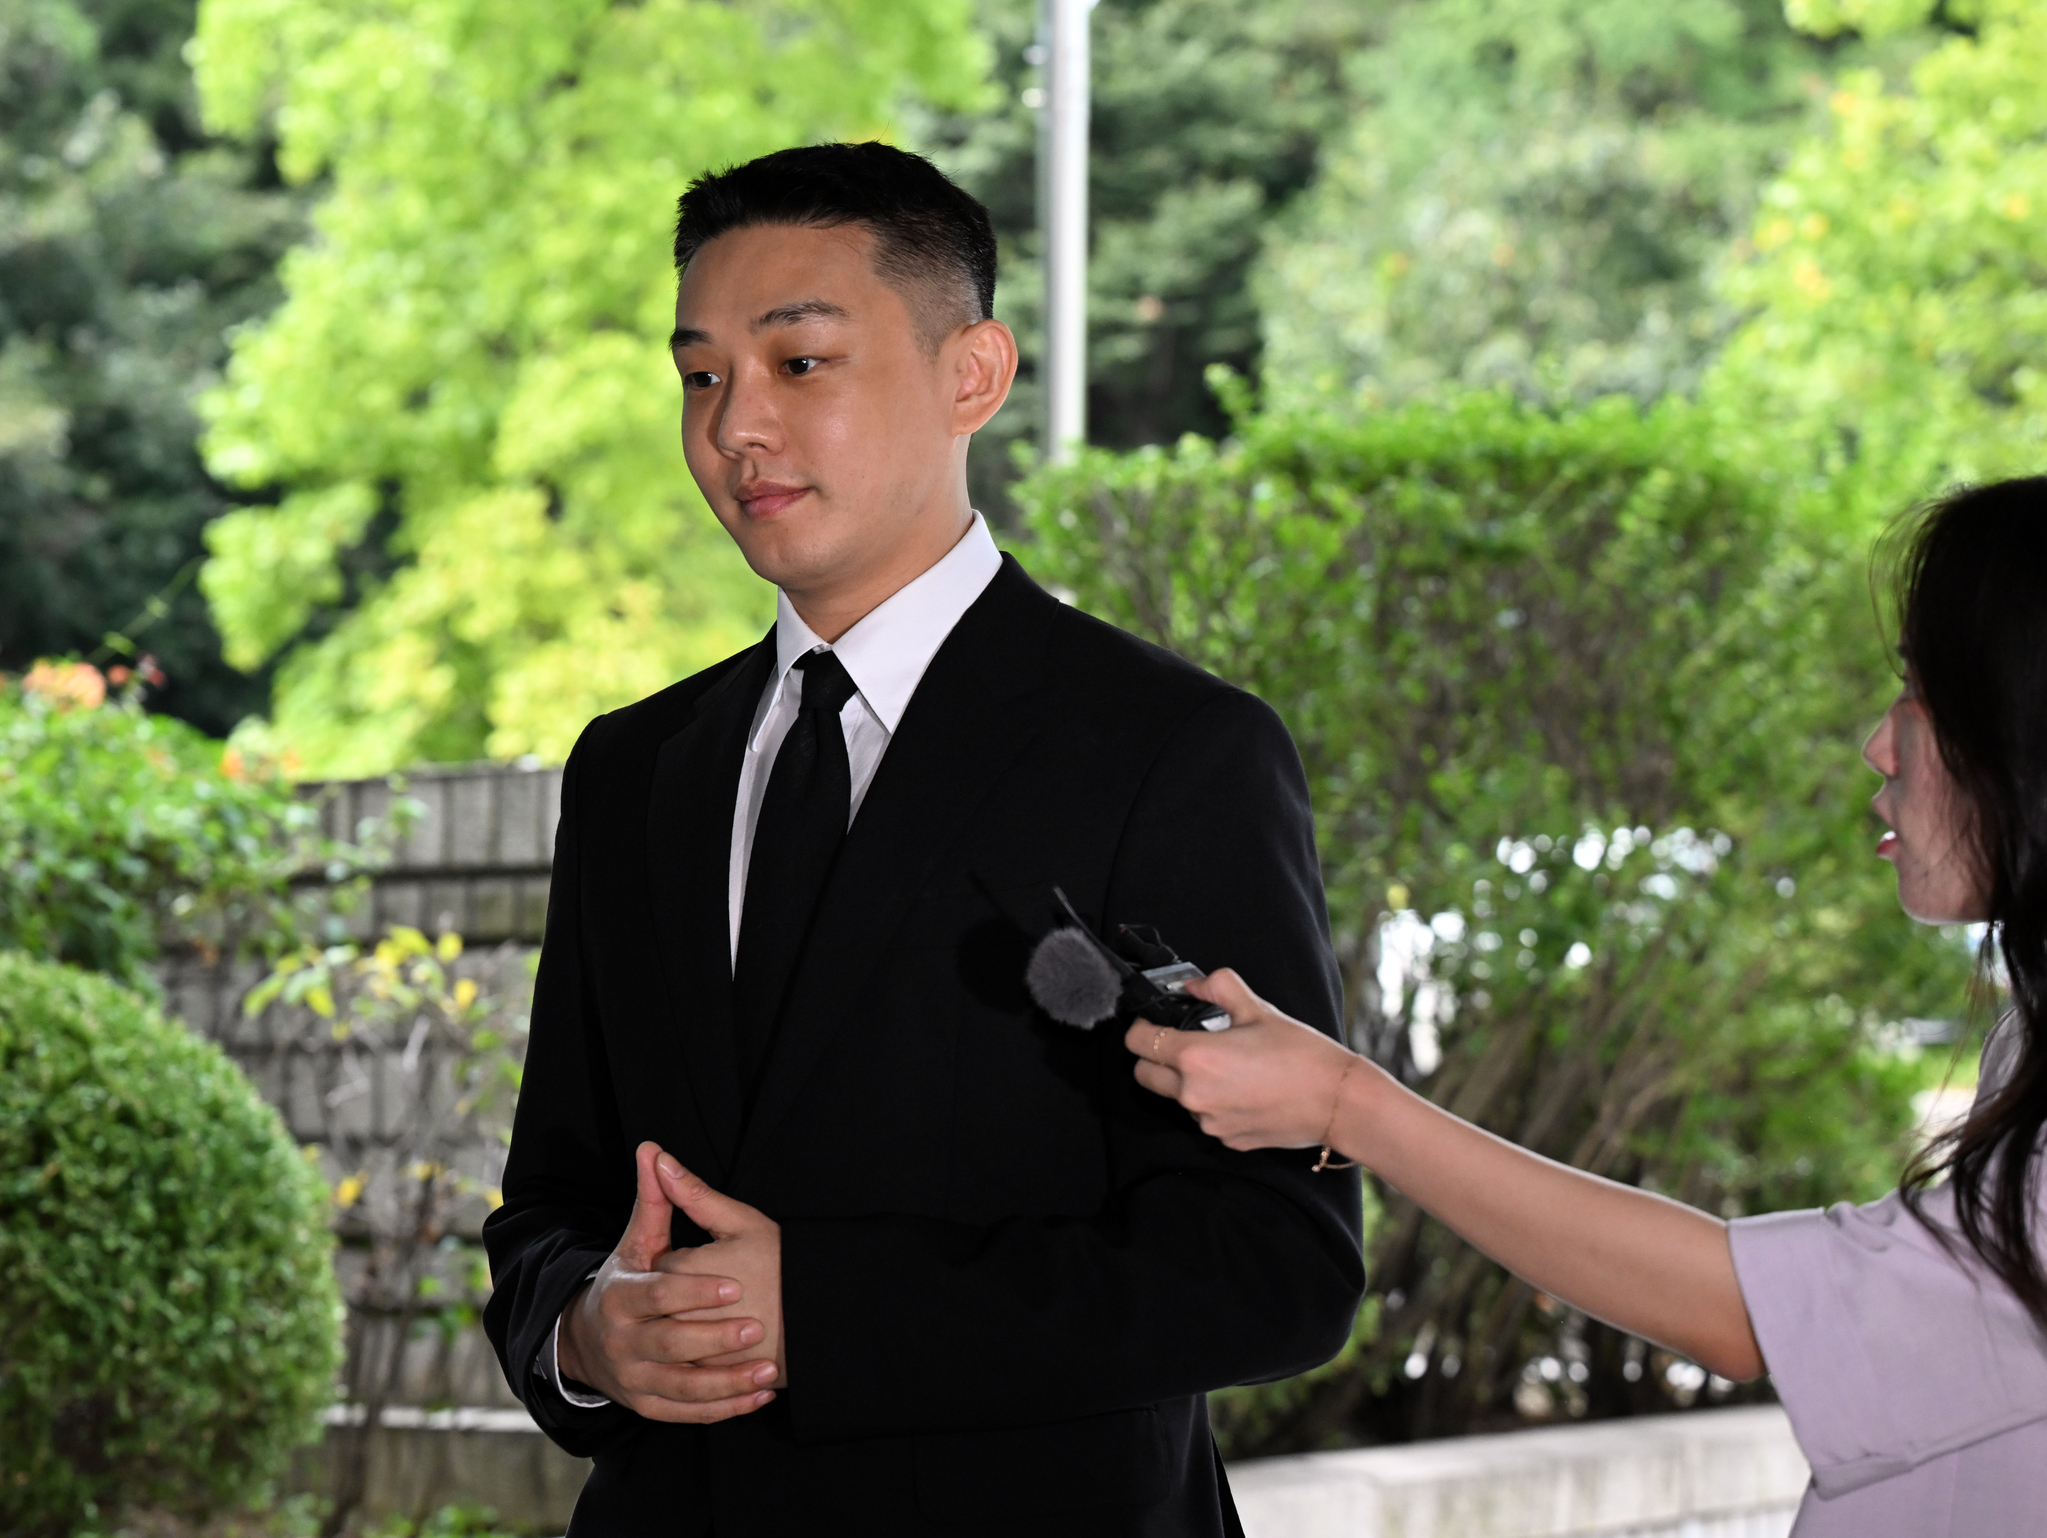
(1536, 195)
(129, 243)
(170, 1311)
(123, 833)
(465, 399)
(1207, 120)
(1579, 697)
(1898, 265)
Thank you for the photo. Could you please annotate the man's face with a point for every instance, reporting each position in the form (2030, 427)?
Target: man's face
(821, 430)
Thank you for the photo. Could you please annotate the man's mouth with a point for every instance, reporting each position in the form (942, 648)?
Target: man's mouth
(1887, 846)
(764, 499)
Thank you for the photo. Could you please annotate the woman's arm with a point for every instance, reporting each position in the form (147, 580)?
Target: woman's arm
(1646, 1264)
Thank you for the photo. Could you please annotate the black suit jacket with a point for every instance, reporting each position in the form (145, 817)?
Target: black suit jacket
(1009, 1273)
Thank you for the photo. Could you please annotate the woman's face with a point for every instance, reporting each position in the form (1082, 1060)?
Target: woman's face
(1940, 871)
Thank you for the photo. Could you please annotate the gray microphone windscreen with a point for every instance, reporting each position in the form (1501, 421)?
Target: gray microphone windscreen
(1071, 980)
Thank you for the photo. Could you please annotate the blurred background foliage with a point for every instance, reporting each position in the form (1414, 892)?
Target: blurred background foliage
(1539, 196)
(1897, 325)
(1594, 843)
(1548, 369)
(125, 835)
(131, 241)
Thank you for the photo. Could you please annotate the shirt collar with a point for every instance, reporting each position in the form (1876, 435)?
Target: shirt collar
(887, 652)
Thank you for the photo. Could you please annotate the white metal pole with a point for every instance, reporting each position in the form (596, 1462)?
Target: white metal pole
(1063, 210)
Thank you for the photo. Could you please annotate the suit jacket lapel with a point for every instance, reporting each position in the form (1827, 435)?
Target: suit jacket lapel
(689, 851)
(966, 723)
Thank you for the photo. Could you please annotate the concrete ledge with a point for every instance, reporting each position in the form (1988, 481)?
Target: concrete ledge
(421, 1459)
(1708, 1474)
(406, 1417)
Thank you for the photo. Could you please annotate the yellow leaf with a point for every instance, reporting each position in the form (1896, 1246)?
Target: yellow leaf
(1810, 280)
(465, 992)
(448, 947)
(349, 1192)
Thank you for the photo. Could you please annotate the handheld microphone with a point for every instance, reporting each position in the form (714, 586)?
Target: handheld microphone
(1080, 980)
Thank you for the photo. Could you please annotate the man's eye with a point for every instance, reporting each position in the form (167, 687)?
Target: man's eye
(801, 366)
(703, 379)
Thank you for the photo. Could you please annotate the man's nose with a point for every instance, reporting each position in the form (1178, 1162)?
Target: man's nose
(747, 422)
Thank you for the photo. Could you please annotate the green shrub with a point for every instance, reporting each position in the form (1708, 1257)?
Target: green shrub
(1579, 696)
(169, 1322)
(122, 831)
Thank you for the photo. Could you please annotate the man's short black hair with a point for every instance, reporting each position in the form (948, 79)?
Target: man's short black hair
(932, 242)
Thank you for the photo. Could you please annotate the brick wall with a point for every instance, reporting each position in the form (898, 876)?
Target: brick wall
(476, 861)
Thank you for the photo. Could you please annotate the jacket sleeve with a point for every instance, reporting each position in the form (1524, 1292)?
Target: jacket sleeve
(564, 1207)
(1205, 1267)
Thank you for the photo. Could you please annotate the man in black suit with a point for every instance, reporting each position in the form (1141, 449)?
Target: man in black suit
(812, 1222)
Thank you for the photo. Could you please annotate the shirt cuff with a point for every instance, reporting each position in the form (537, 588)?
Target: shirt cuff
(547, 1367)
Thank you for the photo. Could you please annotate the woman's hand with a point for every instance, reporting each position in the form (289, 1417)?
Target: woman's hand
(1267, 1082)
(1642, 1262)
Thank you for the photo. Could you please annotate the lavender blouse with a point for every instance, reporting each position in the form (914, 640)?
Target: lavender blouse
(1915, 1382)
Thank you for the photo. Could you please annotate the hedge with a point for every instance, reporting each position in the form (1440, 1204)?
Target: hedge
(169, 1321)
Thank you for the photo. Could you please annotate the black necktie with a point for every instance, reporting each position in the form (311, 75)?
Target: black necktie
(803, 821)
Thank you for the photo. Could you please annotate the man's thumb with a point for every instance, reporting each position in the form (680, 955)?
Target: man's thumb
(715, 1213)
(646, 1236)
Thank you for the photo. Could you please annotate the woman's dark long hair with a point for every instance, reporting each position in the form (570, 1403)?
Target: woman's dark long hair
(1969, 575)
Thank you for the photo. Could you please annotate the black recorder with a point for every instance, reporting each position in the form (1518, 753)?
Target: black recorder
(1079, 979)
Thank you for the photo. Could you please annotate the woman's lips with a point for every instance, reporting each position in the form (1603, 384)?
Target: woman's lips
(767, 499)
(1887, 845)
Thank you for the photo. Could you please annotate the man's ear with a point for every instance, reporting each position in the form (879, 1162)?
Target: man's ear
(983, 358)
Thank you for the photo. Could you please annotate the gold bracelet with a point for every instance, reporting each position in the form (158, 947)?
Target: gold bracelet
(1335, 1101)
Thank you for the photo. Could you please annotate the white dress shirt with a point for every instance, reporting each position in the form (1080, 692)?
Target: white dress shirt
(885, 654)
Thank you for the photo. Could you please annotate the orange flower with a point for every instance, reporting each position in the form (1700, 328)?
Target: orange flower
(67, 683)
